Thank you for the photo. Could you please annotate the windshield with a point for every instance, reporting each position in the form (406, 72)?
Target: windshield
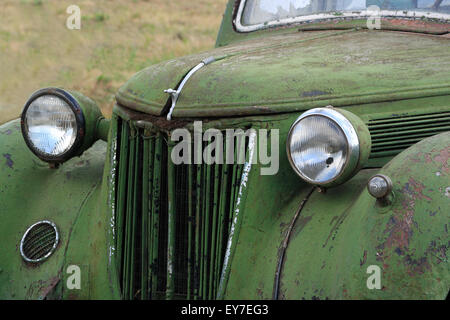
(274, 12)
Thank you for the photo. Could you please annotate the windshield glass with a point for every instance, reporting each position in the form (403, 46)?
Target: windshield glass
(264, 12)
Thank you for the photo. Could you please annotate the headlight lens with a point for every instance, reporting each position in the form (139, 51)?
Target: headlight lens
(318, 148)
(51, 125)
(323, 146)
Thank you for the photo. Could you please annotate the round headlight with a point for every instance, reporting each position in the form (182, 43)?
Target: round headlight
(53, 125)
(324, 147)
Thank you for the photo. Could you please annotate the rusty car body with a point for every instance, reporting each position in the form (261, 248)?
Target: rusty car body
(138, 226)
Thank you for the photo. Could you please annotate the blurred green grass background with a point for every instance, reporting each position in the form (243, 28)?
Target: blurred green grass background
(117, 39)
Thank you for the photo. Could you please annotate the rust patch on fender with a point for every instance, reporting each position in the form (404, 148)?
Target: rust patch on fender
(159, 121)
(415, 190)
(399, 231)
(443, 158)
(42, 288)
(417, 23)
(399, 226)
(440, 157)
(425, 26)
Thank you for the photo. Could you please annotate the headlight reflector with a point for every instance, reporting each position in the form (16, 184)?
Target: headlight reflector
(324, 147)
(51, 125)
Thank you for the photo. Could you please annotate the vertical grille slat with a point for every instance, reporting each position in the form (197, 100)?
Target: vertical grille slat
(206, 226)
(172, 221)
(121, 194)
(190, 226)
(215, 214)
(155, 191)
(161, 258)
(198, 208)
(151, 218)
(145, 253)
(182, 243)
(136, 244)
(223, 221)
(131, 216)
(202, 230)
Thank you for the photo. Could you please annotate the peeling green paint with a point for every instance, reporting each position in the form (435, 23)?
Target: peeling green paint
(286, 73)
(264, 79)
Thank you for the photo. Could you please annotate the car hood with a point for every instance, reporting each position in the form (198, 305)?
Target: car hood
(296, 71)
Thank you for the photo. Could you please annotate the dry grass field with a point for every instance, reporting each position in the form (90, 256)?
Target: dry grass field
(117, 39)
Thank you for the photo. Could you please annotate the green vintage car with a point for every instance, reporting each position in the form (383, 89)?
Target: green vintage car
(334, 119)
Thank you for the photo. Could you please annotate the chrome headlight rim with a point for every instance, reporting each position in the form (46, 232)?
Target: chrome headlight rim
(79, 116)
(351, 136)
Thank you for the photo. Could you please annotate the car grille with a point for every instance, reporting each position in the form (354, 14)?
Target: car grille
(171, 221)
(391, 135)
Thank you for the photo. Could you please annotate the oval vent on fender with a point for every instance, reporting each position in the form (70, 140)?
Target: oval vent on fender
(39, 241)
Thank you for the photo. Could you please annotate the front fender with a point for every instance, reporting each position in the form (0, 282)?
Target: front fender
(30, 192)
(330, 257)
(339, 234)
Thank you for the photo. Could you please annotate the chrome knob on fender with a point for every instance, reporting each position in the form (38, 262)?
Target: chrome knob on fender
(379, 186)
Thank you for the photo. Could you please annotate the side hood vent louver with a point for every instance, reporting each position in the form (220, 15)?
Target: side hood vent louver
(391, 135)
